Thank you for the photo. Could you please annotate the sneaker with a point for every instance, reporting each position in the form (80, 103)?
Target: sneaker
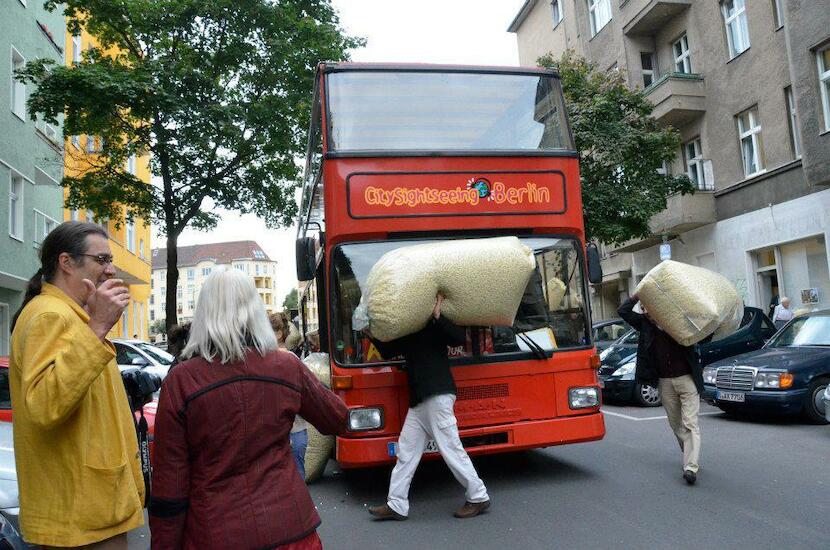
(471, 509)
(384, 512)
(690, 477)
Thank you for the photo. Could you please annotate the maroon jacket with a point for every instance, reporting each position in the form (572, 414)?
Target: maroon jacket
(223, 472)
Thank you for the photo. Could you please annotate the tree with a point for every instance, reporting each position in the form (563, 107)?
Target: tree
(291, 300)
(621, 148)
(217, 91)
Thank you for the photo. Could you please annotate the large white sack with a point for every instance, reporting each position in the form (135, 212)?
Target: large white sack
(691, 303)
(482, 281)
(320, 446)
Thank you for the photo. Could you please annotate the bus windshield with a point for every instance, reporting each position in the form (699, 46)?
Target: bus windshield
(446, 111)
(551, 315)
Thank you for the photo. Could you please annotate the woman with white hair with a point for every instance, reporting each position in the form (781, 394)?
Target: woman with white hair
(782, 314)
(223, 472)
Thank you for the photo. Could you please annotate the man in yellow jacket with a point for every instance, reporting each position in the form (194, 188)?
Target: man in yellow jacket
(75, 443)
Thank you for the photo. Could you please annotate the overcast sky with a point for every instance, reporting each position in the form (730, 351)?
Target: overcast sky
(428, 31)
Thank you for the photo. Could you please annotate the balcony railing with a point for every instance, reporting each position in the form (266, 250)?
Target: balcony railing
(644, 17)
(678, 98)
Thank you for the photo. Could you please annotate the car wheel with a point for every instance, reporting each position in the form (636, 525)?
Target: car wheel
(814, 402)
(647, 396)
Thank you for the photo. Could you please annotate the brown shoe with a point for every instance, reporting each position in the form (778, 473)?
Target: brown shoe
(383, 512)
(471, 509)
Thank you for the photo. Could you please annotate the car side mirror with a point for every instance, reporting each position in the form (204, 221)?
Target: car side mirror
(594, 265)
(139, 362)
(306, 258)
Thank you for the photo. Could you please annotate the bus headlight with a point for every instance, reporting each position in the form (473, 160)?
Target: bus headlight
(365, 419)
(583, 398)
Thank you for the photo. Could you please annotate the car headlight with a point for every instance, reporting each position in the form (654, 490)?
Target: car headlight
(365, 419)
(626, 371)
(710, 375)
(604, 353)
(583, 398)
(773, 380)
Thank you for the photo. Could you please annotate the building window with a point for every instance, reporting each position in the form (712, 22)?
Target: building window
(257, 269)
(240, 267)
(131, 164)
(125, 328)
(131, 236)
(16, 206)
(178, 292)
(682, 59)
(18, 88)
(737, 30)
(191, 273)
(777, 14)
(136, 330)
(599, 12)
(43, 226)
(647, 61)
(152, 297)
(792, 120)
(152, 315)
(141, 248)
(749, 133)
(205, 271)
(824, 83)
(693, 153)
(76, 49)
(76, 141)
(556, 9)
(191, 304)
(4, 329)
(90, 216)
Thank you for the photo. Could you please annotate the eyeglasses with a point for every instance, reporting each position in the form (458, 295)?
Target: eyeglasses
(103, 259)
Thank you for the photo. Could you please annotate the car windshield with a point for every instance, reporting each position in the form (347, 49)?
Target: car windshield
(158, 354)
(446, 111)
(804, 331)
(611, 331)
(553, 323)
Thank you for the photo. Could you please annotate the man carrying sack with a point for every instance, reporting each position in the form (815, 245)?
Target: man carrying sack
(664, 363)
(432, 394)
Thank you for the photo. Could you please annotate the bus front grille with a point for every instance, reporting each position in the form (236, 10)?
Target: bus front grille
(483, 392)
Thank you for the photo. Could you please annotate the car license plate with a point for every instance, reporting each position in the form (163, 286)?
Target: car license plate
(735, 396)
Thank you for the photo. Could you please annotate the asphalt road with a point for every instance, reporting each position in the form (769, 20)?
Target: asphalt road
(763, 484)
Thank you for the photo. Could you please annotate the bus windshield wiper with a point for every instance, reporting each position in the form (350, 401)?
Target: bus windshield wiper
(537, 350)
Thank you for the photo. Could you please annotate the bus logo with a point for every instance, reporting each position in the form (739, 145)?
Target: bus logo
(480, 185)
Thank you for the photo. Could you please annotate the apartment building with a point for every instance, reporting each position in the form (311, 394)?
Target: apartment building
(747, 85)
(196, 262)
(31, 166)
(129, 240)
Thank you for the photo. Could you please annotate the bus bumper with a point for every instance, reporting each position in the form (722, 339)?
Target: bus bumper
(353, 452)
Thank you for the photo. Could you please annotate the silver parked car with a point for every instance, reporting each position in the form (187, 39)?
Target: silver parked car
(137, 353)
(9, 501)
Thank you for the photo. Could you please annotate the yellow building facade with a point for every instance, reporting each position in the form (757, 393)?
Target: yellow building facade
(130, 242)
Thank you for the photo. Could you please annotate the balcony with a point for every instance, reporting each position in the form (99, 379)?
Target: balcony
(678, 98)
(683, 213)
(644, 17)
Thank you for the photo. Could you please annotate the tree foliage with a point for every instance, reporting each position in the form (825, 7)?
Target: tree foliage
(291, 300)
(621, 148)
(218, 92)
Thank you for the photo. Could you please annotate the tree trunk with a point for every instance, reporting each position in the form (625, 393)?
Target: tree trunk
(170, 304)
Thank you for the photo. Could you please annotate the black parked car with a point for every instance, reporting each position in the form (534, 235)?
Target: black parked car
(619, 361)
(788, 375)
(607, 332)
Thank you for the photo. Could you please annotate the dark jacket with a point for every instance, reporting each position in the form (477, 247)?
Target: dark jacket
(223, 472)
(646, 371)
(426, 363)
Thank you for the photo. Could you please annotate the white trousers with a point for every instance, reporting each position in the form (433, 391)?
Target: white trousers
(682, 404)
(433, 419)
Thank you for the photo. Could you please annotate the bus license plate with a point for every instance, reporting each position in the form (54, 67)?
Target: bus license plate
(734, 396)
(431, 447)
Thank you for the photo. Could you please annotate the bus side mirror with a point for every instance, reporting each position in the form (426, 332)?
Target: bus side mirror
(306, 259)
(594, 265)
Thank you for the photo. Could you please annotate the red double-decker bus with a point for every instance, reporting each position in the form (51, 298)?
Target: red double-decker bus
(405, 154)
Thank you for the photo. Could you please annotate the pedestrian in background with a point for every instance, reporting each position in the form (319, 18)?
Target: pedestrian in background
(299, 430)
(75, 444)
(223, 474)
(674, 369)
(782, 314)
(177, 341)
(432, 394)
